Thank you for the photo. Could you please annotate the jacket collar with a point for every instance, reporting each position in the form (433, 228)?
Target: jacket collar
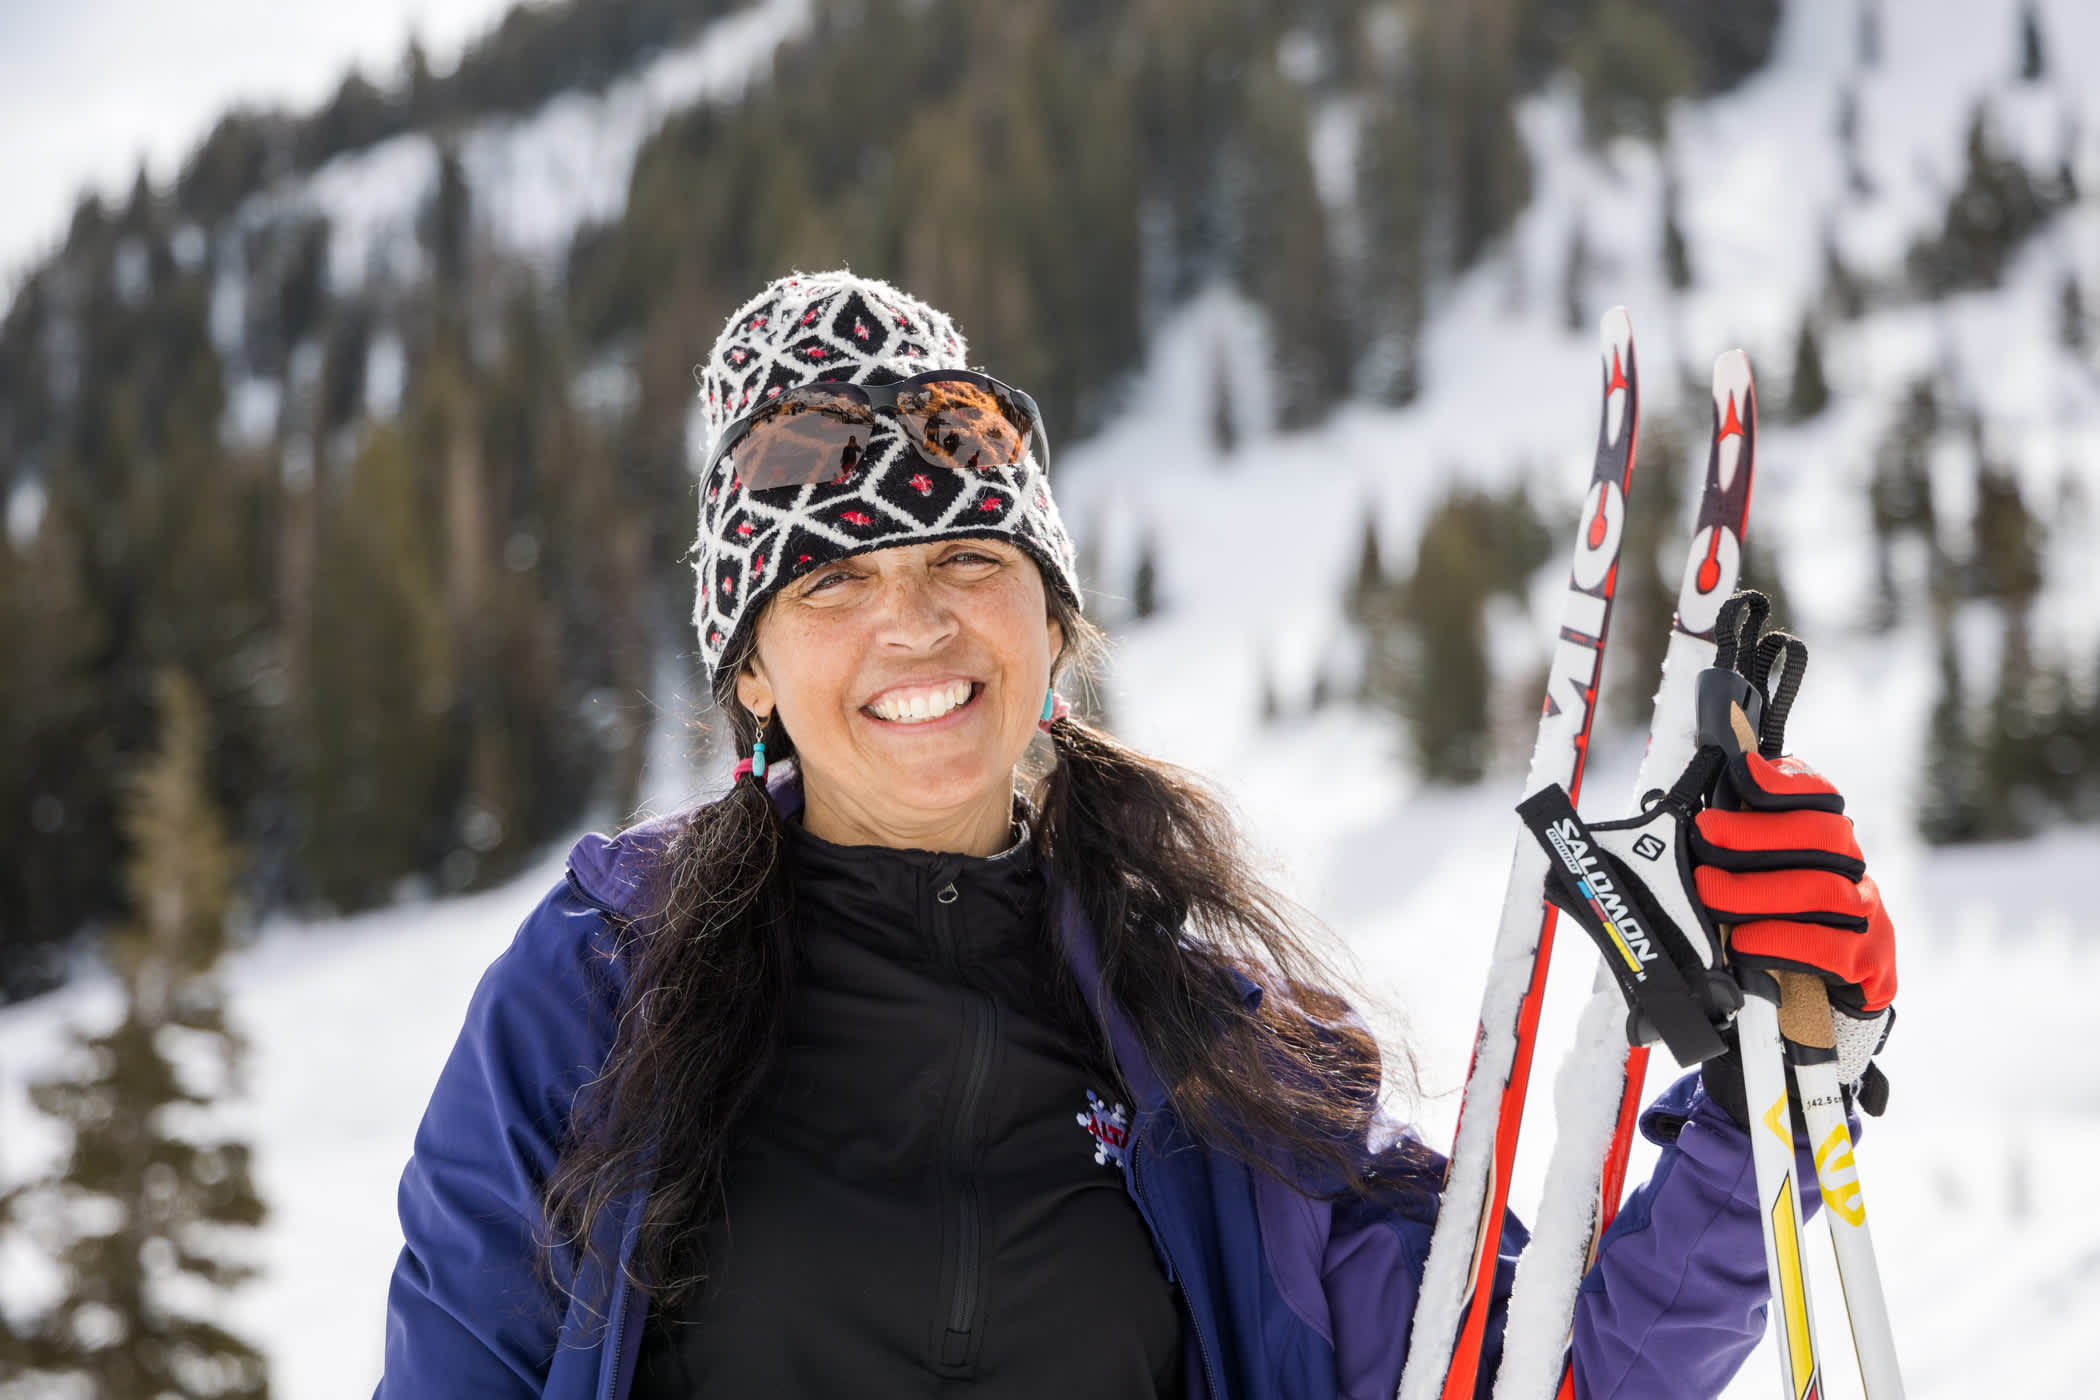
(617, 874)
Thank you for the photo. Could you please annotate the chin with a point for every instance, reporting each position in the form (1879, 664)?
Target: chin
(947, 780)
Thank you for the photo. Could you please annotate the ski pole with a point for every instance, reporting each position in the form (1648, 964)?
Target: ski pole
(1809, 1034)
(1811, 1043)
(1726, 701)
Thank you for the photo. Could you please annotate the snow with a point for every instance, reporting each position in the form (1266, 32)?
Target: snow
(568, 163)
(531, 180)
(1987, 1226)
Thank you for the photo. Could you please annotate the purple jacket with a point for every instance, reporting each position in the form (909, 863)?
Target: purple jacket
(1286, 1295)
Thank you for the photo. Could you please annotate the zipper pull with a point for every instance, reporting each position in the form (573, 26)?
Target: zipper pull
(946, 894)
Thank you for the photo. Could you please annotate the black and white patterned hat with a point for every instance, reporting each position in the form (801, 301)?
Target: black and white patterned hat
(836, 326)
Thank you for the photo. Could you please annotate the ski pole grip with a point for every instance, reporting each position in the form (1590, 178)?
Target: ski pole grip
(1804, 1010)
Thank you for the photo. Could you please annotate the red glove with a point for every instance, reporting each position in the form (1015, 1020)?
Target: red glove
(1785, 872)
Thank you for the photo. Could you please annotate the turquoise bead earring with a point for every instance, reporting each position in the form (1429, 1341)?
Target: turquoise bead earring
(756, 764)
(1055, 708)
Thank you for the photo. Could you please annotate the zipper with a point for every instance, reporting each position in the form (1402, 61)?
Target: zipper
(962, 1313)
(619, 1325)
(1137, 1186)
(982, 1016)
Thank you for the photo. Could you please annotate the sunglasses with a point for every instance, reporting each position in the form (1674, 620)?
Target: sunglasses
(817, 432)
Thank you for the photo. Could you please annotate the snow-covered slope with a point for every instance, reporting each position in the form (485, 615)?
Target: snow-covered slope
(535, 178)
(1988, 1230)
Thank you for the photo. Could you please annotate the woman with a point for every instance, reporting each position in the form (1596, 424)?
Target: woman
(890, 1073)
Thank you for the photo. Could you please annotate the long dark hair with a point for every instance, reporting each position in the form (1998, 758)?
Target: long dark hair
(1159, 868)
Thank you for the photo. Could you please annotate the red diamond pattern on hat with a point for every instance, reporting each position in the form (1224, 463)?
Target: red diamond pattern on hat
(838, 327)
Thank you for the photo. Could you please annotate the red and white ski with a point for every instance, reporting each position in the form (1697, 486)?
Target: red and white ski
(1450, 1324)
(1597, 1094)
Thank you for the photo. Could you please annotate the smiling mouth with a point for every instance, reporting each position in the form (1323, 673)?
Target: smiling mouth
(913, 717)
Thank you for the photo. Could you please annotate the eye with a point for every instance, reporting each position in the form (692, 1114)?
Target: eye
(973, 556)
(824, 579)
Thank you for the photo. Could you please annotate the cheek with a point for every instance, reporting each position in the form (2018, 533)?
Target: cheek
(1025, 652)
(809, 670)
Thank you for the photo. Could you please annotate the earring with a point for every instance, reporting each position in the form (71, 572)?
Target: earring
(1055, 708)
(756, 764)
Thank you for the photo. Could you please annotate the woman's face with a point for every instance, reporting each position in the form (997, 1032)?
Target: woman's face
(864, 662)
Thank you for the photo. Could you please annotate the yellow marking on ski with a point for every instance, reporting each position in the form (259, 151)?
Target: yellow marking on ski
(1793, 1291)
(1775, 1119)
(1843, 1197)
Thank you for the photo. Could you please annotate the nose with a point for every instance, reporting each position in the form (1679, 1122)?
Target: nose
(913, 615)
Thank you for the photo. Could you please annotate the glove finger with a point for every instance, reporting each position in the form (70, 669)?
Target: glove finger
(1803, 896)
(1880, 987)
(1786, 784)
(1758, 841)
(1861, 973)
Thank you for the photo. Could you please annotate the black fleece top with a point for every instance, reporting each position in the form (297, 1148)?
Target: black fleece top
(914, 1205)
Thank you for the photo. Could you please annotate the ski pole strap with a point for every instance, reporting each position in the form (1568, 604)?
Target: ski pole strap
(1643, 949)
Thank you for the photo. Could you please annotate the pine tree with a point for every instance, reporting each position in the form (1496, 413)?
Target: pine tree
(2082, 732)
(2071, 328)
(1482, 175)
(1947, 809)
(1811, 392)
(1426, 639)
(1856, 178)
(137, 1218)
(1288, 260)
(2005, 557)
(378, 722)
(1369, 580)
(1899, 495)
(1869, 34)
(1390, 199)
(1843, 296)
(2034, 60)
(1224, 417)
(1575, 279)
(2011, 770)
(1144, 588)
(1997, 206)
(1632, 62)
(53, 708)
(1271, 706)
(1677, 257)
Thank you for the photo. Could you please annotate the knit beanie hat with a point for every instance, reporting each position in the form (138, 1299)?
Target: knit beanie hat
(836, 326)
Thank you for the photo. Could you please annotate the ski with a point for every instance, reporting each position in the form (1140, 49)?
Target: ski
(1451, 1313)
(1597, 1093)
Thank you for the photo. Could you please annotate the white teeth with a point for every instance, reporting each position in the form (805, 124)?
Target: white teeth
(924, 705)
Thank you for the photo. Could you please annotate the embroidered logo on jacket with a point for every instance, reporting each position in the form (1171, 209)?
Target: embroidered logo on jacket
(1110, 1128)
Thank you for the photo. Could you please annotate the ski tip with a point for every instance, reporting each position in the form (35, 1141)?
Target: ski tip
(1731, 376)
(1735, 417)
(1615, 334)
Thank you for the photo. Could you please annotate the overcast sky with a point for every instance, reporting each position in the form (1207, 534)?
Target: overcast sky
(89, 87)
